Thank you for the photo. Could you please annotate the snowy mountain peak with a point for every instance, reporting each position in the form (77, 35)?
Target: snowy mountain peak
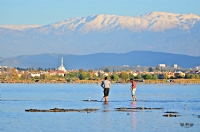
(157, 21)
(172, 15)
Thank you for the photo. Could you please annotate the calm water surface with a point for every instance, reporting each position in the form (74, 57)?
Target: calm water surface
(15, 98)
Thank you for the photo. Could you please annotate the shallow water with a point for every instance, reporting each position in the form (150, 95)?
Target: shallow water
(15, 98)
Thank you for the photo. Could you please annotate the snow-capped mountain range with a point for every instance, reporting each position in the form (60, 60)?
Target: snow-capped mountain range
(157, 21)
(156, 31)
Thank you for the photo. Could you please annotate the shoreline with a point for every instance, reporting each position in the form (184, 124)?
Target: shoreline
(163, 81)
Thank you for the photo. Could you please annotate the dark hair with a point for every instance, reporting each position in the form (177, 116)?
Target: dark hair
(131, 79)
(105, 78)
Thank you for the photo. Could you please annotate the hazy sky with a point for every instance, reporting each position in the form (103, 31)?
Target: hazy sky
(48, 11)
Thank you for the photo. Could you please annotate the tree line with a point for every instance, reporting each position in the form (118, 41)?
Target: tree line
(81, 74)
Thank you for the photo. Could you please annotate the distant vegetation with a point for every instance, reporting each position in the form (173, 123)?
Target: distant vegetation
(11, 75)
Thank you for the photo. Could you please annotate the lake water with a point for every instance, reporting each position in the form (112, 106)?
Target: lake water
(15, 98)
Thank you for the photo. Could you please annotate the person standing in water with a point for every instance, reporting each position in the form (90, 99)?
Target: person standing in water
(106, 86)
(133, 89)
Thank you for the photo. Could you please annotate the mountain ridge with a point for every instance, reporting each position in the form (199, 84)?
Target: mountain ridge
(133, 58)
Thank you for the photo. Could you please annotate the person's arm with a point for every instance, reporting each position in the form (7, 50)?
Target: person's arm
(102, 84)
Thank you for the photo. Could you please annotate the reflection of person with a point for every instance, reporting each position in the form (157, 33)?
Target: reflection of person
(133, 89)
(134, 118)
(106, 86)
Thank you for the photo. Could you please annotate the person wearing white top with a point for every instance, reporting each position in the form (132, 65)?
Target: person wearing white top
(106, 86)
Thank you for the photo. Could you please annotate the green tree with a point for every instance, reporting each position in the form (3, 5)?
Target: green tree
(155, 77)
(139, 76)
(42, 76)
(72, 75)
(196, 76)
(90, 70)
(128, 70)
(82, 76)
(147, 76)
(124, 75)
(13, 73)
(114, 77)
(192, 76)
(24, 76)
(106, 70)
(165, 76)
(150, 69)
(157, 68)
(188, 76)
(90, 75)
(81, 70)
(131, 76)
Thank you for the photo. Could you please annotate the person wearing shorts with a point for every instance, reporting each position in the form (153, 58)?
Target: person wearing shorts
(106, 86)
(133, 89)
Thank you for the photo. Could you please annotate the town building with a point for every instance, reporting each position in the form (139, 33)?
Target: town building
(175, 66)
(179, 74)
(60, 71)
(57, 72)
(35, 74)
(162, 65)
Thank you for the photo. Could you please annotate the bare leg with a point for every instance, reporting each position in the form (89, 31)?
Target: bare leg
(106, 99)
(134, 97)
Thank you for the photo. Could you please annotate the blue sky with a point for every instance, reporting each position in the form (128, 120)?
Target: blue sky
(48, 11)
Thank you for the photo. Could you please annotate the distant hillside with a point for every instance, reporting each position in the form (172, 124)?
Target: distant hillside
(155, 31)
(134, 58)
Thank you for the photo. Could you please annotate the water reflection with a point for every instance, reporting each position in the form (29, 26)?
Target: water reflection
(106, 107)
(186, 125)
(106, 103)
(134, 118)
(106, 115)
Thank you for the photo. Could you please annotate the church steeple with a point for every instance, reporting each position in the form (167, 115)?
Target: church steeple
(61, 67)
(61, 61)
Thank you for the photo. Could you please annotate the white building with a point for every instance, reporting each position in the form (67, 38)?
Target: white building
(35, 75)
(175, 66)
(61, 67)
(161, 65)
